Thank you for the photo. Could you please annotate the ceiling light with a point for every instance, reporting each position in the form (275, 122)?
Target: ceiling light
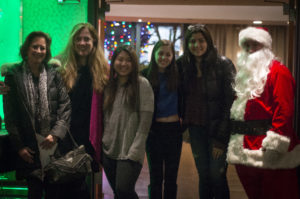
(257, 22)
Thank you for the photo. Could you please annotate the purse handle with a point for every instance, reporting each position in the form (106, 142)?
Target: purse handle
(72, 138)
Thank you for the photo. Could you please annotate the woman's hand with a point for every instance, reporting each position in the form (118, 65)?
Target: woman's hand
(3, 88)
(217, 152)
(26, 154)
(49, 142)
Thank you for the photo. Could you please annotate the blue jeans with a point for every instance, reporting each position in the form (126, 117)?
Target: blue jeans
(212, 172)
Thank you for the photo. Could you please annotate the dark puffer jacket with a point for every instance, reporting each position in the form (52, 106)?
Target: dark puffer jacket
(219, 95)
(19, 121)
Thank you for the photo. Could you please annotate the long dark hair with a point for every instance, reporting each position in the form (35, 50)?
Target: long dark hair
(209, 58)
(170, 72)
(29, 39)
(132, 84)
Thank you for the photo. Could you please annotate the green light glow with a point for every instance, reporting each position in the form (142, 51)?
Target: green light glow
(68, 1)
(14, 188)
(54, 18)
(10, 30)
(9, 34)
(49, 16)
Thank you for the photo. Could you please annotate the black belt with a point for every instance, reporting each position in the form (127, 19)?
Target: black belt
(251, 127)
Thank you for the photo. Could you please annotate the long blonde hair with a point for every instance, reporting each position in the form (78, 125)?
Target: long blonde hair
(96, 60)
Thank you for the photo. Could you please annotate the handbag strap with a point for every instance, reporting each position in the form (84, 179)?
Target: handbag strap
(72, 138)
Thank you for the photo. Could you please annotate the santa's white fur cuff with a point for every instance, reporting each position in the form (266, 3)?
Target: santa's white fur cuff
(276, 142)
(237, 154)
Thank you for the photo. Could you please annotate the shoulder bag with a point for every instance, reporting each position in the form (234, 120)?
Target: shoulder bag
(75, 164)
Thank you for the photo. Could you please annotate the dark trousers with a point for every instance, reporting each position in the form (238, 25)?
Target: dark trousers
(36, 189)
(163, 149)
(75, 190)
(122, 176)
(212, 172)
(268, 183)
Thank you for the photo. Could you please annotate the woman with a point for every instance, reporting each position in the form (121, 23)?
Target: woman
(37, 107)
(128, 109)
(165, 139)
(208, 95)
(85, 73)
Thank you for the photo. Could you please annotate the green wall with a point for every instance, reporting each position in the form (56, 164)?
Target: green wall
(20, 17)
(10, 34)
(57, 19)
(10, 30)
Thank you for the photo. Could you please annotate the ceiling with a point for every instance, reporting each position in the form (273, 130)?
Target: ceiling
(199, 11)
(199, 2)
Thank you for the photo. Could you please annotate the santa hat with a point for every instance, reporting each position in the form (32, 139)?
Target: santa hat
(258, 34)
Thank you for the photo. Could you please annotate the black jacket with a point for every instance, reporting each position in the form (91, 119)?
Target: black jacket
(218, 92)
(19, 121)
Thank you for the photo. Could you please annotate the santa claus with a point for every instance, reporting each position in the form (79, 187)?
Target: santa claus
(263, 144)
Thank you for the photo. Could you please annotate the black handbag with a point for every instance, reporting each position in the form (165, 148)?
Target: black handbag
(74, 165)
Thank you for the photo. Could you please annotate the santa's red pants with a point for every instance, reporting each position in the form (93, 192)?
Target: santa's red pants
(267, 183)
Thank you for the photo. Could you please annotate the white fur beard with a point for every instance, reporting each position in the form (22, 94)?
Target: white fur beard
(250, 80)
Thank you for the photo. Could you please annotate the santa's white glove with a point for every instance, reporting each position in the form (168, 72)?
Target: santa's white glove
(271, 156)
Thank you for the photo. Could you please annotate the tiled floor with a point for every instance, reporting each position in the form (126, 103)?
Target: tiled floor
(187, 180)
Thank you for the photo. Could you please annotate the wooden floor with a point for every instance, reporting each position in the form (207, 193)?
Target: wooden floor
(187, 180)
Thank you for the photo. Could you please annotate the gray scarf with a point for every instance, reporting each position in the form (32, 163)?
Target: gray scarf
(37, 101)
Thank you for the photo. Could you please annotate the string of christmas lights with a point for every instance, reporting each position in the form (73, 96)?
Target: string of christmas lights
(124, 33)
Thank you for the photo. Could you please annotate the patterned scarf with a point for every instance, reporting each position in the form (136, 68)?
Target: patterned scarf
(37, 101)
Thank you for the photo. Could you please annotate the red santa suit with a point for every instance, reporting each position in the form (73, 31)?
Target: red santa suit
(266, 163)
